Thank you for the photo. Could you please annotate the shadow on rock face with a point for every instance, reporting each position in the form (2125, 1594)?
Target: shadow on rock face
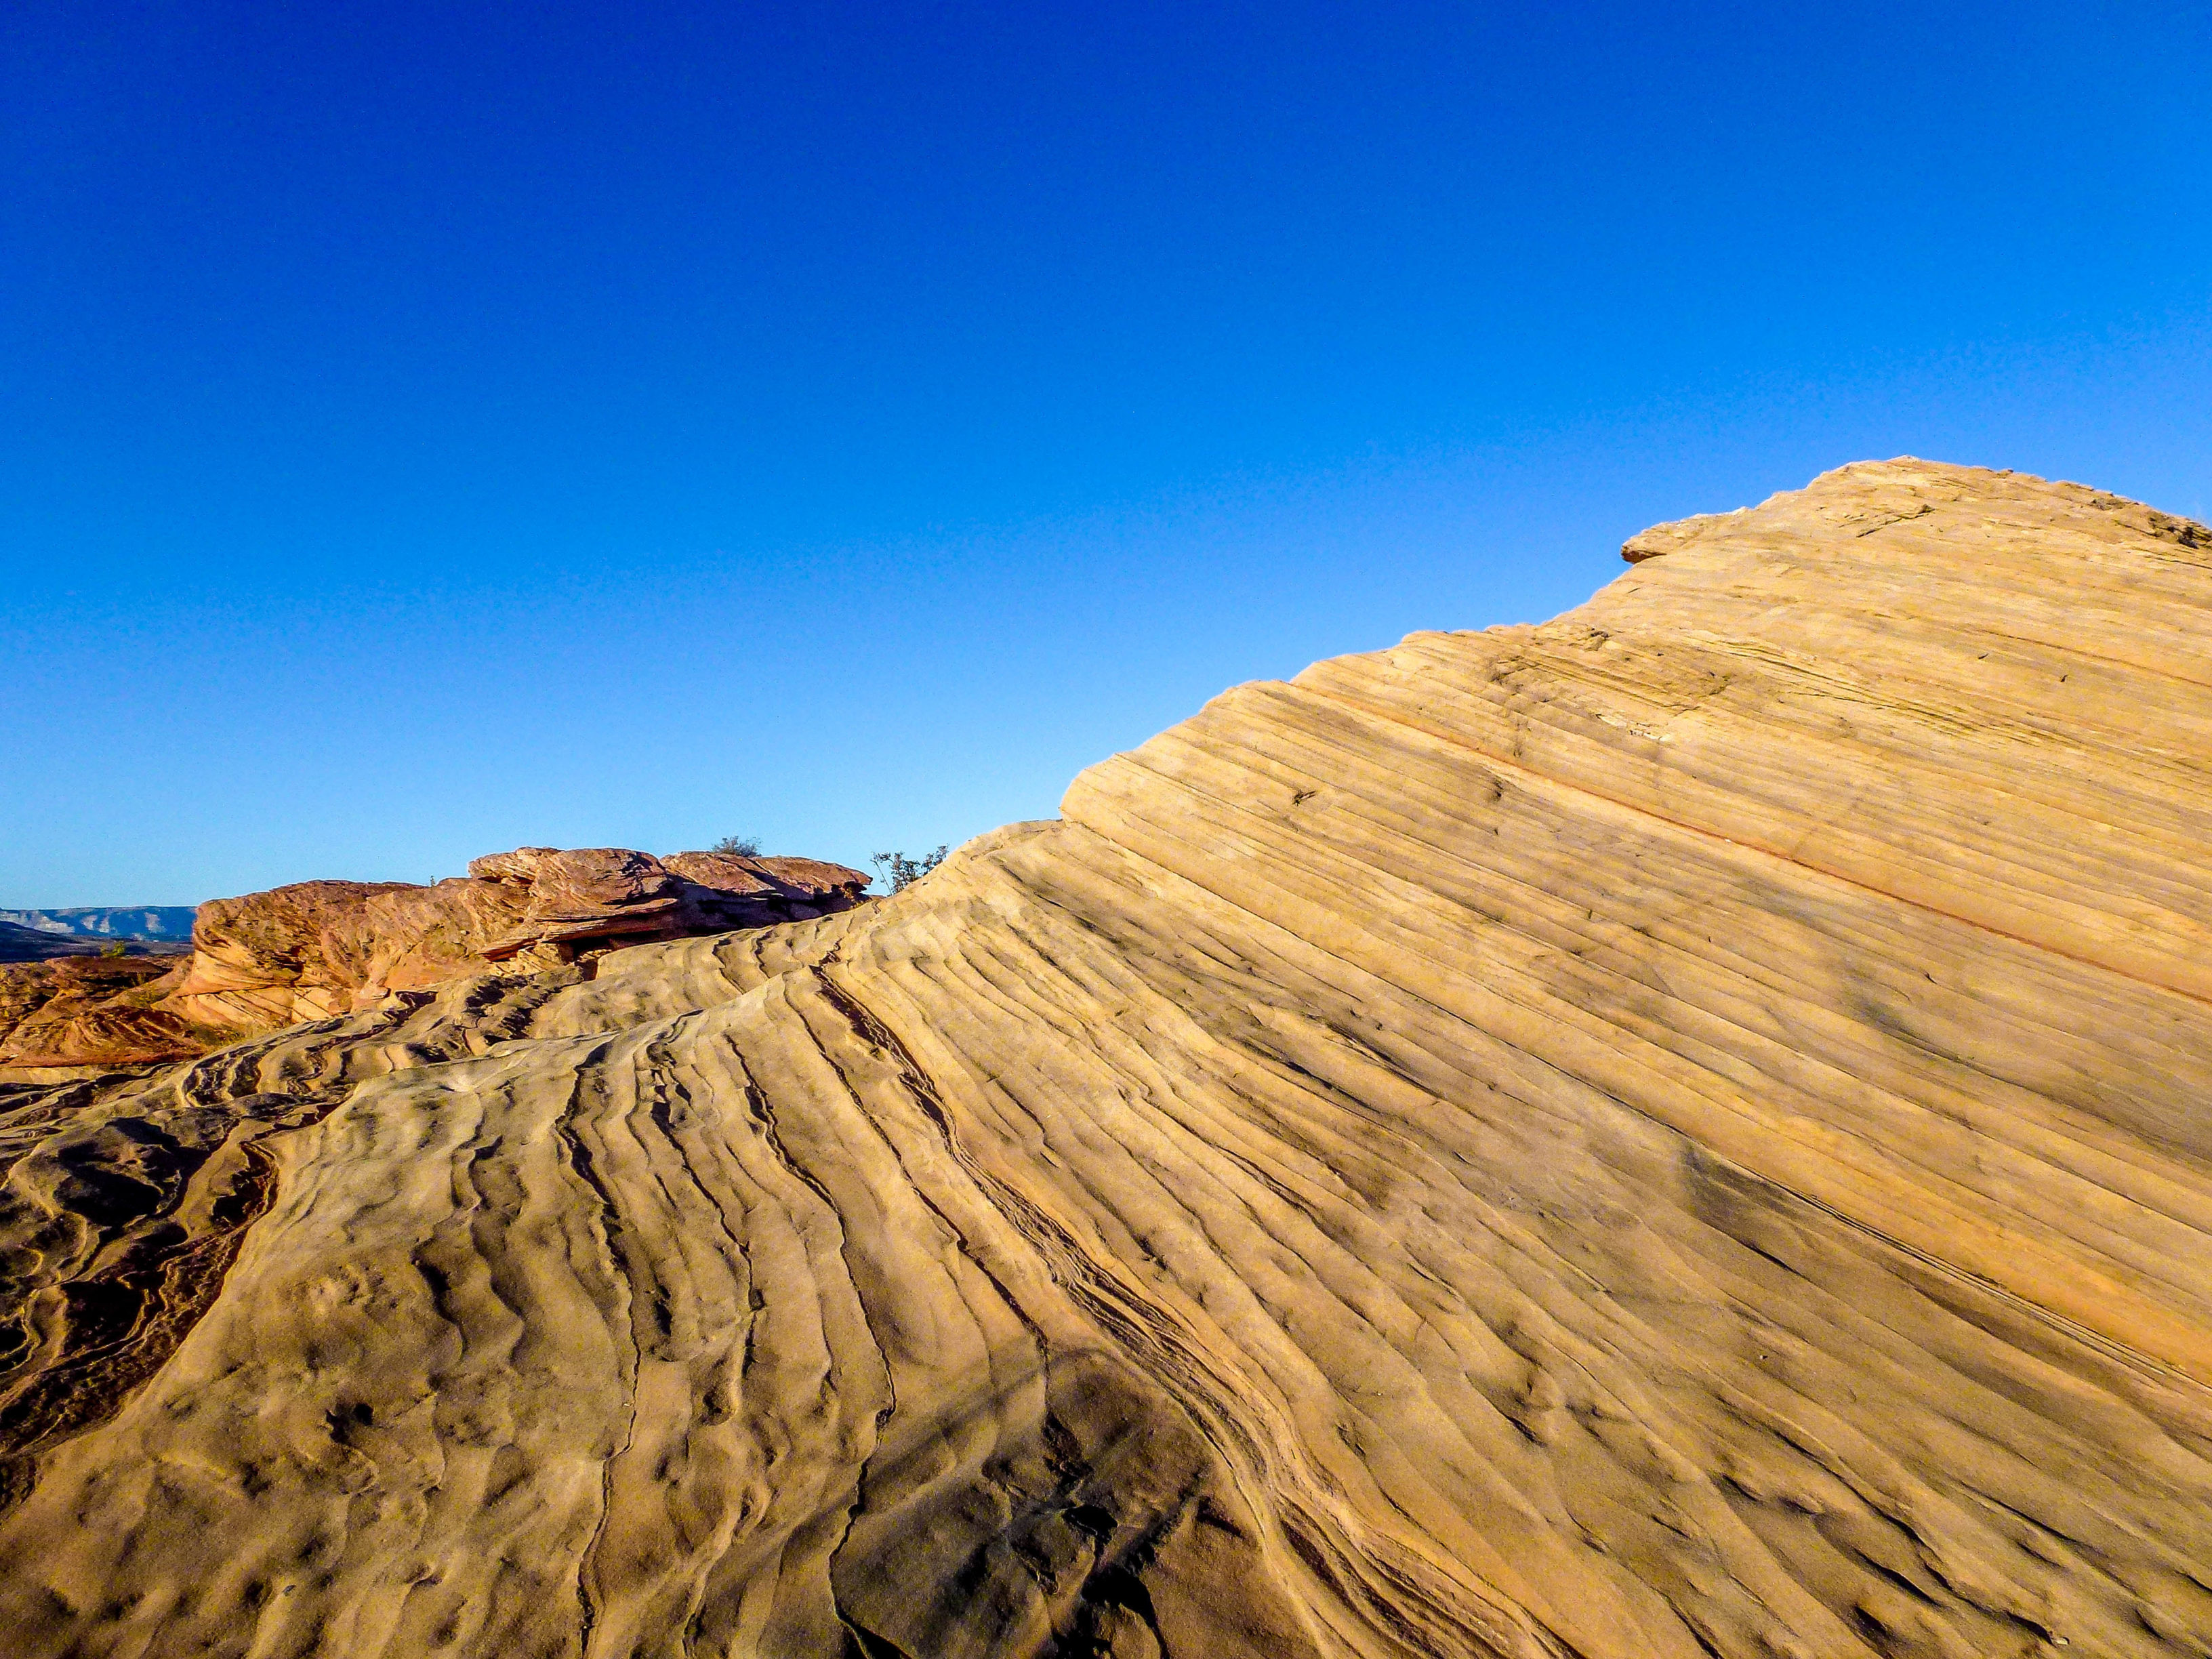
(1079, 1510)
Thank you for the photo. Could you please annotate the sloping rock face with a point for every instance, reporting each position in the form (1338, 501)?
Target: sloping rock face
(1680, 1131)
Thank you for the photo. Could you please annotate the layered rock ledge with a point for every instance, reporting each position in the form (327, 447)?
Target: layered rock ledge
(1679, 1131)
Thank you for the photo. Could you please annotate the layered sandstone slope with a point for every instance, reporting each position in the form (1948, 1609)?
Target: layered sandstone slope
(1679, 1131)
(89, 1004)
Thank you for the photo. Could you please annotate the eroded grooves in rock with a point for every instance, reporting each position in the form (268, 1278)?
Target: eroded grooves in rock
(1679, 1131)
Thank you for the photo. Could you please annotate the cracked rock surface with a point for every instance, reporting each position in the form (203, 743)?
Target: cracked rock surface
(1684, 1130)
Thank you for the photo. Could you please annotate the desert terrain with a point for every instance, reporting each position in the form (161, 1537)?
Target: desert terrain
(1683, 1130)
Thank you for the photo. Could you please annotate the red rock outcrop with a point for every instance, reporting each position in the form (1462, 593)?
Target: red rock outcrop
(316, 950)
(320, 949)
(265, 960)
(89, 1011)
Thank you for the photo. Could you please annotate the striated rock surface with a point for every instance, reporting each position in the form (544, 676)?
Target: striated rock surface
(87, 1011)
(1679, 1131)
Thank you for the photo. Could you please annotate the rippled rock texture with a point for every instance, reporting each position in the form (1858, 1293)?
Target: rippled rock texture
(1680, 1131)
(89, 1010)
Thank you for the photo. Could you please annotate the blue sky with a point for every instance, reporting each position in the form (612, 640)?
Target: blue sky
(432, 430)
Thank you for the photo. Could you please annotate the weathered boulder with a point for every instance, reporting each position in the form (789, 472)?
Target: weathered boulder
(319, 949)
(547, 907)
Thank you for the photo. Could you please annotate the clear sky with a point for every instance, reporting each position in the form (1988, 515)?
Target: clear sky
(430, 430)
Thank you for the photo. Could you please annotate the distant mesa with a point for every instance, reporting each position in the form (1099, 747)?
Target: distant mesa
(315, 950)
(104, 923)
(20, 942)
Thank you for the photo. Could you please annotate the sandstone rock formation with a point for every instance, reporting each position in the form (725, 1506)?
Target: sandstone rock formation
(1679, 1131)
(316, 949)
(87, 1011)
